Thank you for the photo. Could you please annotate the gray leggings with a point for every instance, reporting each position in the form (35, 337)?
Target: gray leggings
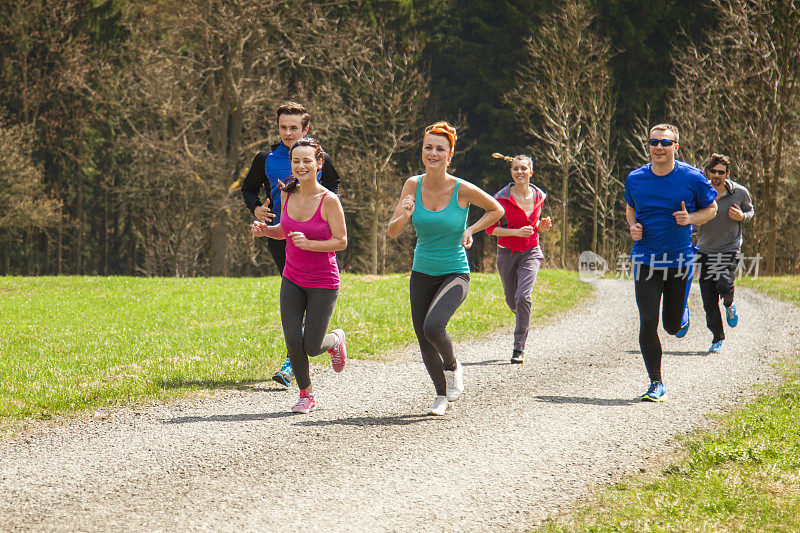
(518, 271)
(304, 342)
(434, 299)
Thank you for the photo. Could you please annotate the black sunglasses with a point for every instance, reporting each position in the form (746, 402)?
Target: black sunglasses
(715, 171)
(663, 142)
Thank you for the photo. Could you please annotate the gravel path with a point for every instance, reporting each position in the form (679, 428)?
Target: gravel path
(521, 444)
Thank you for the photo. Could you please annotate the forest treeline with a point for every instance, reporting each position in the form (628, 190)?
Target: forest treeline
(126, 126)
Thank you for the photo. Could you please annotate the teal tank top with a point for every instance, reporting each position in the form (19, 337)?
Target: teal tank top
(439, 234)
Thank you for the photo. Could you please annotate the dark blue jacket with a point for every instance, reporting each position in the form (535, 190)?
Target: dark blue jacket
(272, 165)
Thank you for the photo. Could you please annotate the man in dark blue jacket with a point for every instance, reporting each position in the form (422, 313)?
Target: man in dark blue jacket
(269, 169)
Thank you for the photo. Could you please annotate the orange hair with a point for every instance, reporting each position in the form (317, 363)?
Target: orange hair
(445, 130)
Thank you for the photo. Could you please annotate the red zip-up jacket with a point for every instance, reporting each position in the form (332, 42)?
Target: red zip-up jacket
(515, 218)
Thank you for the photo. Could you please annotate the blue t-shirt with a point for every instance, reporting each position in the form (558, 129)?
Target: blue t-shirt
(278, 166)
(664, 243)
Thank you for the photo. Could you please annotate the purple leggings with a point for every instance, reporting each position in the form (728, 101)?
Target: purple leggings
(518, 271)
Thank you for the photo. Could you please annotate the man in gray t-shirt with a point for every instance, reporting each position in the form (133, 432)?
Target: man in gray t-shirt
(719, 244)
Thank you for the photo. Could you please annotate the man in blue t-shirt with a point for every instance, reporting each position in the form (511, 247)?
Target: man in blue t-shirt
(663, 199)
(272, 167)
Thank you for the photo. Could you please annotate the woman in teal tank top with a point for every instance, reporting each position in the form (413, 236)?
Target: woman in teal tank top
(437, 204)
(439, 235)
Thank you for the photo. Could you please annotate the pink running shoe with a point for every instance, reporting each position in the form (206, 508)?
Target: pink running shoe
(338, 354)
(306, 403)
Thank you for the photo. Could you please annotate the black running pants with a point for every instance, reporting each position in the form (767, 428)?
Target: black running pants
(652, 286)
(717, 273)
(434, 299)
(309, 338)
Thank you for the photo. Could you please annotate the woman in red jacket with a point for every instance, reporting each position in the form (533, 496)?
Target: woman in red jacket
(518, 252)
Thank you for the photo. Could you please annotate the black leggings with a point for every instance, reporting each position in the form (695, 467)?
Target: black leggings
(313, 339)
(651, 284)
(434, 299)
(277, 249)
(717, 273)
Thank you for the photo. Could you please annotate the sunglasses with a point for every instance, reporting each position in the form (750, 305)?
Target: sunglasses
(663, 142)
(715, 171)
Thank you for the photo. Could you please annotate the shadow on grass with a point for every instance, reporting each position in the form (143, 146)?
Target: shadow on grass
(244, 417)
(588, 401)
(678, 354)
(402, 420)
(488, 362)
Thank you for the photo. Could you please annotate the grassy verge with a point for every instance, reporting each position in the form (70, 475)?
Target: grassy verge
(71, 344)
(785, 288)
(745, 476)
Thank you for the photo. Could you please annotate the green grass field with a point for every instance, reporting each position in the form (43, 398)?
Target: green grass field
(785, 288)
(72, 344)
(745, 476)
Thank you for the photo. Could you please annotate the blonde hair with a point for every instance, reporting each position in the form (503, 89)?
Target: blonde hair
(529, 159)
(444, 129)
(668, 127)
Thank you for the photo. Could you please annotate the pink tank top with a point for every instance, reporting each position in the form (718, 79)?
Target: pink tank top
(304, 267)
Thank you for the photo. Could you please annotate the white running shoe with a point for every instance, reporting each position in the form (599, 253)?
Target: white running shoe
(455, 382)
(440, 406)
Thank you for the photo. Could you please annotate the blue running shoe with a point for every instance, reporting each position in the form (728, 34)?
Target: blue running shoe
(716, 347)
(285, 375)
(731, 316)
(655, 393)
(685, 322)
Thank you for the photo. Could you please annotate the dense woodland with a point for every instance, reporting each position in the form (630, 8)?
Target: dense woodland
(127, 126)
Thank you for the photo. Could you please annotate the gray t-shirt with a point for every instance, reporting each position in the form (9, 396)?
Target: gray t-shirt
(722, 233)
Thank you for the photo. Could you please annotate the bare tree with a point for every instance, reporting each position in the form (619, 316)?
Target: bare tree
(381, 86)
(551, 96)
(205, 81)
(740, 92)
(598, 159)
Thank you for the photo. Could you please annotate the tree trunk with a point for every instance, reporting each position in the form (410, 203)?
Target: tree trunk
(374, 238)
(375, 222)
(596, 201)
(613, 250)
(603, 219)
(176, 254)
(565, 166)
(31, 270)
(60, 243)
(46, 248)
(382, 237)
(772, 200)
(79, 208)
(219, 245)
(105, 231)
(564, 190)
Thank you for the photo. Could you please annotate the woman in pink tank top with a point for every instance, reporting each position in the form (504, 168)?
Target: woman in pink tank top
(312, 222)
